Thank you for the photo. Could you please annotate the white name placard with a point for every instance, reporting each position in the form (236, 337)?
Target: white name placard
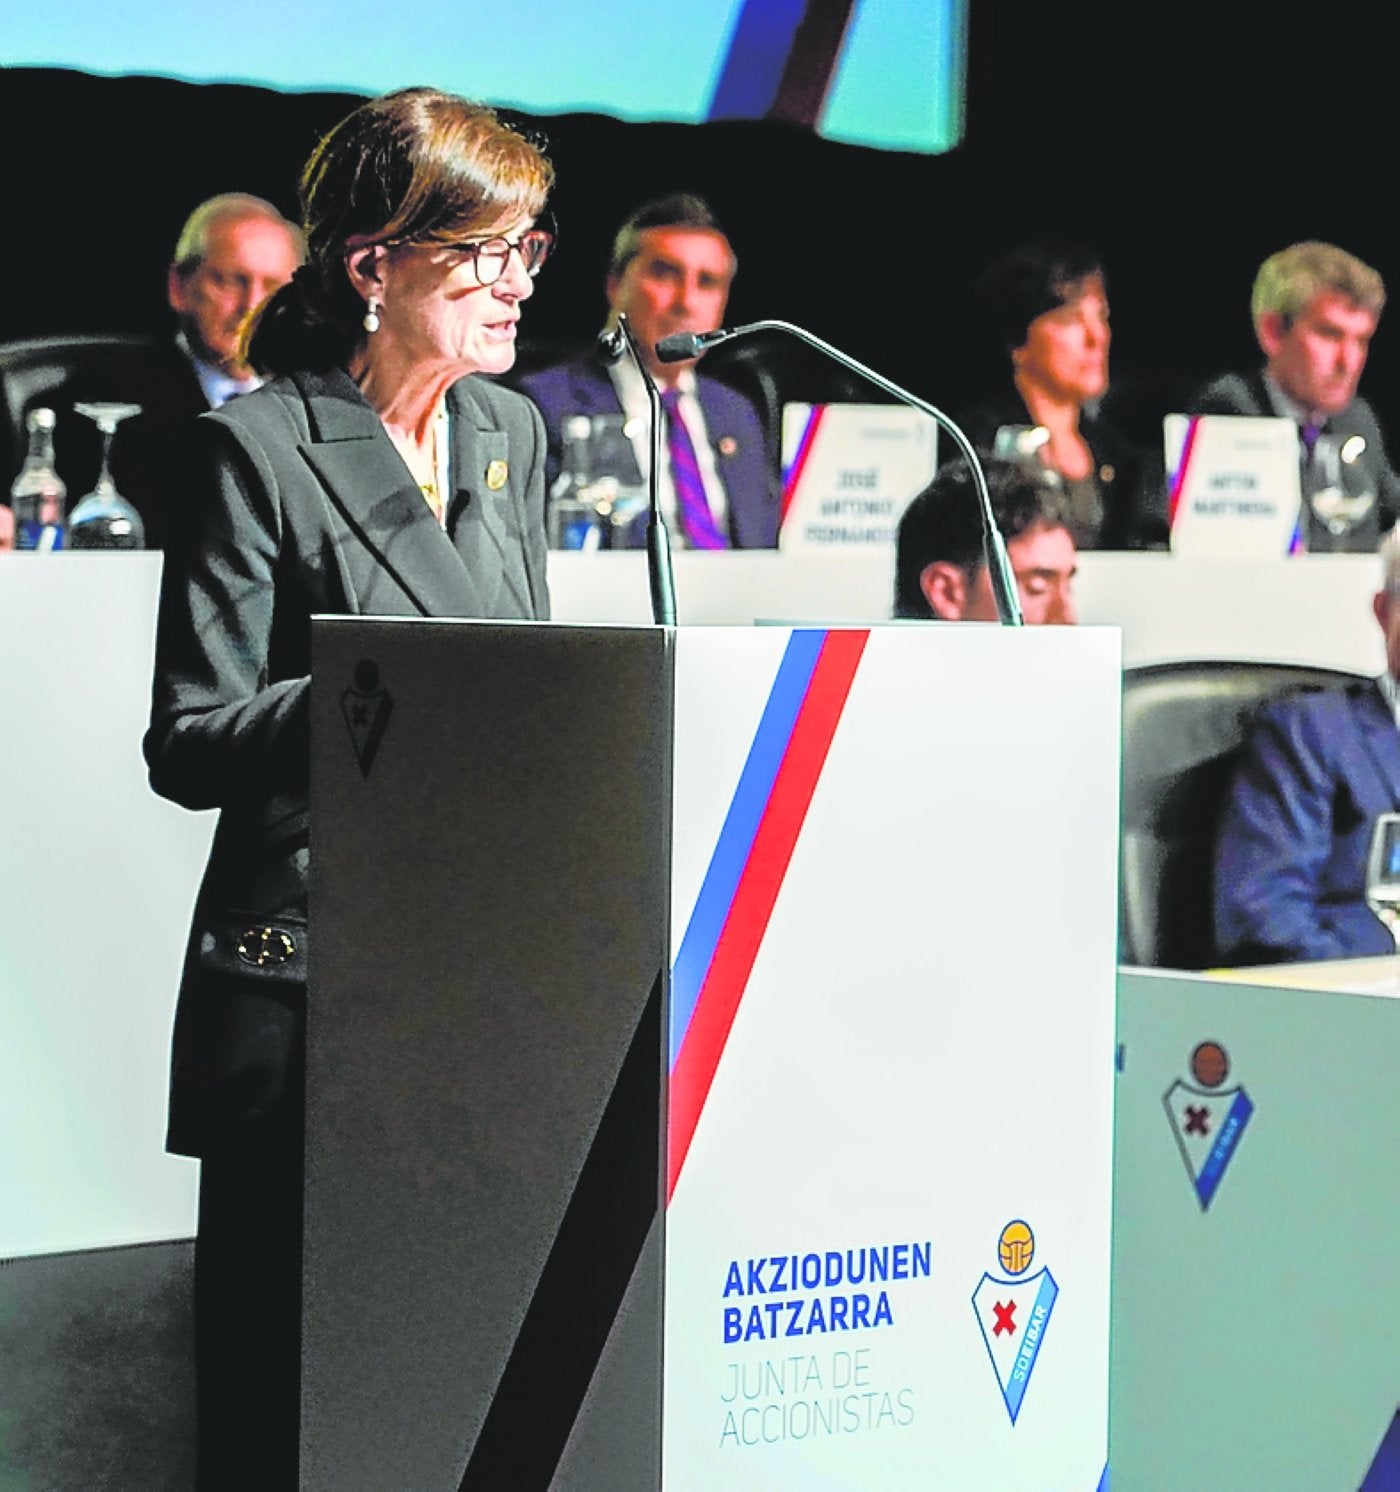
(1233, 488)
(849, 471)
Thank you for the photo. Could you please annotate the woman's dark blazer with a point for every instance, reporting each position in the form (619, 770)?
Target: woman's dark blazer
(299, 504)
(1130, 483)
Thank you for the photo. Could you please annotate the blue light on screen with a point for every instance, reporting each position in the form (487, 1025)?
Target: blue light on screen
(900, 82)
(899, 85)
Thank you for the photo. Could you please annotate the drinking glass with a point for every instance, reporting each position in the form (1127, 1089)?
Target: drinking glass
(104, 519)
(1340, 487)
(1022, 444)
(1383, 873)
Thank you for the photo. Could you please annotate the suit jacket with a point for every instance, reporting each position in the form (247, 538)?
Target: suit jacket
(150, 453)
(303, 506)
(582, 386)
(1290, 865)
(1131, 488)
(1247, 394)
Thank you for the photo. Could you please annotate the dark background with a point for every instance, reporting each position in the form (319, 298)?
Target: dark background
(1184, 153)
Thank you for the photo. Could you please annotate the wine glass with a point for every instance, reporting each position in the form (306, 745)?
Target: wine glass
(1383, 873)
(1022, 444)
(1341, 488)
(104, 519)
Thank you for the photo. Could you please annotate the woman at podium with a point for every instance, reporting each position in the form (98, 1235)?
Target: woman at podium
(372, 474)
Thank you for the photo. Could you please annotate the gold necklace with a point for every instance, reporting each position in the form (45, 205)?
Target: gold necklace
(432, 489)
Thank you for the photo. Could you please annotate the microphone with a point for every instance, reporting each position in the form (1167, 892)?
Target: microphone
(660, 572)
(611, 344)
(682, 346)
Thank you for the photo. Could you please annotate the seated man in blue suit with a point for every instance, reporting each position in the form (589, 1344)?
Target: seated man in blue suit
(670, 271)
(1290, 866)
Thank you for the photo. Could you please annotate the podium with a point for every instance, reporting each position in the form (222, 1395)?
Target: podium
(710, 1057)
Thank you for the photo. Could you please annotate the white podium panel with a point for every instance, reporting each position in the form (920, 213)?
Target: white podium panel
(1255, 1193)
(98, 877)
(894, 859)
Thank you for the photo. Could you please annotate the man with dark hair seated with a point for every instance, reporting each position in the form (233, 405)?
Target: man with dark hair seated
(940, 569)
(1291, 854)
(670, 271)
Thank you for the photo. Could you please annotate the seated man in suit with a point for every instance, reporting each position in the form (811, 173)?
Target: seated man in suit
(670, 271)
(1290, 864)
(233, 252)
(940, 568)
(1315, 309)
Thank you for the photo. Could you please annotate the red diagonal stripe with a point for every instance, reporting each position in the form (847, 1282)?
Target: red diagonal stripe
(757, 891)
(799, 463)
(1183, 468)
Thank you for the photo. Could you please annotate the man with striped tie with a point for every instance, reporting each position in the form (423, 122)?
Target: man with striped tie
(670, 271)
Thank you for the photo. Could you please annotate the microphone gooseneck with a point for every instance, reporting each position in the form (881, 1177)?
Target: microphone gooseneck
(682, 346)
(661, 576)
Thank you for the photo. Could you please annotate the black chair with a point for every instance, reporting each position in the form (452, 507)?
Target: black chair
(1183, 727)
(37, 371)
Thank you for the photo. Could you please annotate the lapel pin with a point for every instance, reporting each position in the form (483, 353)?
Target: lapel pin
(496, 474)
(727, 445)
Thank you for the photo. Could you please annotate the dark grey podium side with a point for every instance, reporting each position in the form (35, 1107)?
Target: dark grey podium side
(485, 1117)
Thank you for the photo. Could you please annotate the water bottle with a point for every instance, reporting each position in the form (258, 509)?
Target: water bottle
(573, 513)
(38, 491)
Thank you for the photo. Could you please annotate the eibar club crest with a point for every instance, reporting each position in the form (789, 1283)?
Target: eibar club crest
(1014, 1313)
(1207, 1119)
(366, 707)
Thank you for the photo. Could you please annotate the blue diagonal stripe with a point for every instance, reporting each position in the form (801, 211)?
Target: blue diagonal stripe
(1226, 1143)
(753, 67)
(731, 852)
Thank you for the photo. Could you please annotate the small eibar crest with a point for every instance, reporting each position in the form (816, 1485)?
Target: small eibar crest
(366, 707)
(1207, 1119)
(1014, 1313)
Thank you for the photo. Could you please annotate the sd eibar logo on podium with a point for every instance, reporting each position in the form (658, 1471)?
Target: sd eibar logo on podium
(366, 706)
(1208, 1121)
(1013, 1313)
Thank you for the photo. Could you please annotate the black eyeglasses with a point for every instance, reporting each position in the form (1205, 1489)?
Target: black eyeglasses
(491, 255)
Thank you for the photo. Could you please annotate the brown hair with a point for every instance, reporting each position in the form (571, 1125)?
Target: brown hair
(415, 166)
(1287, 281)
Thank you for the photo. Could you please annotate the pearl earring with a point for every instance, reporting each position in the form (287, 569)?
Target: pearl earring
(371, 321)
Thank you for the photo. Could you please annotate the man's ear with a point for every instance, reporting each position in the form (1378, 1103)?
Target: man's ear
(1271, 328)
(945, 589)
(175, 290)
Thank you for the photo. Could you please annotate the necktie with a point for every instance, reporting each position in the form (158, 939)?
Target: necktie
(696, 518)
(1307, 440)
